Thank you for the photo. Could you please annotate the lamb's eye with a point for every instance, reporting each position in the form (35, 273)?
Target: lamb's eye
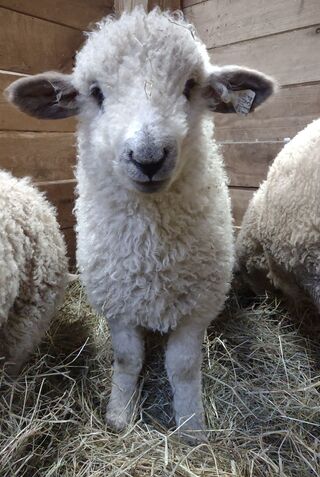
(97, 94)
(190, 84)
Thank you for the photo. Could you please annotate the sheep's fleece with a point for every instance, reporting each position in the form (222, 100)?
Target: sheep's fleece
(33, 268)
(143, 87)
(279, 241)
(154, 260)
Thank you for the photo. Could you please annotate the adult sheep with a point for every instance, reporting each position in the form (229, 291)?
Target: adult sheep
(155, 244)
(33, 269)
(279, 242)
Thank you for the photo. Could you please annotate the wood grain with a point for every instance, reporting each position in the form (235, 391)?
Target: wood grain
(12, 119)
(61, 195)
(75, 13)
(165, 4)
(247, 164)
(240, 199)
(189, 3)
(289, 111)
(30, 45)
(71, 243)
(43, 156)
(128, 5)
(218, 23)
(291, 57)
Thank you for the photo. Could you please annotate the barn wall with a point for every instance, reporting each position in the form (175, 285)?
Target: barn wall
(281, 38)
(36, 36)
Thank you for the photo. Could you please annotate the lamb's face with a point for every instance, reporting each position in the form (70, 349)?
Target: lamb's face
(136, 76)
(140, 85)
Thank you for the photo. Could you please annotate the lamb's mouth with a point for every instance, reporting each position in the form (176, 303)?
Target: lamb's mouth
(150, 187)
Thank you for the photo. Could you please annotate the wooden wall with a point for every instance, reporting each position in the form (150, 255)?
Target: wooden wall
(36, 36)
(281, 38)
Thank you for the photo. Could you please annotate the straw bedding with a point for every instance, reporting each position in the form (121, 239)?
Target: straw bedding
(261, 393)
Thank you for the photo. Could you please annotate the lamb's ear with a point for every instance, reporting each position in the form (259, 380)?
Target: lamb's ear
(231, 89)
(46, 96)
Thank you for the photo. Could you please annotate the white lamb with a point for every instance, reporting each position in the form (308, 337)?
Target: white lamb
(155, 244)
(33, 269)
(279, 242)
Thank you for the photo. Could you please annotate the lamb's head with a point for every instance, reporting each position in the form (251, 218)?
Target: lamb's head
(141, 85)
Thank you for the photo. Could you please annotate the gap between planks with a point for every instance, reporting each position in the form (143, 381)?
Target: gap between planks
(58, 182)
(236, 187)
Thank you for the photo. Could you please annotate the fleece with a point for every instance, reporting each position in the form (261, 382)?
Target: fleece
(33, 268)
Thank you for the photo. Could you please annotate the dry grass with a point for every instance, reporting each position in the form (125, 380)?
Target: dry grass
(261, 393)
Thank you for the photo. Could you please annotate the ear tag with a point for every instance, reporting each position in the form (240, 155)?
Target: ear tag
(242, 101)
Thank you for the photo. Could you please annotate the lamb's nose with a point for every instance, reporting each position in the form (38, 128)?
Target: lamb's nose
(149, 168)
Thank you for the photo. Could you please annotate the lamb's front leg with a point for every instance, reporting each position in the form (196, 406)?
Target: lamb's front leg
(183, 364)
(128, 349)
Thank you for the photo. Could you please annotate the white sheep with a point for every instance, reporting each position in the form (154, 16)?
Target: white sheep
(155, 245)
(33, 269)
(279, 241)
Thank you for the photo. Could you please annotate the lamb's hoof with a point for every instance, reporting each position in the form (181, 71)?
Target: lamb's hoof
(194, 438)
(118, 418)
(193, 432)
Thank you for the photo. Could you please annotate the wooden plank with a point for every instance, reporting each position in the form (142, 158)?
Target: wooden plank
(220, 24)
(43, 156)
(247, 164)
(12, 119)
(240, 199)
(283, 116)
(75, 13)
(291, 57)
(31, 45)
(70, 239)
(165, 4)
(128, 5)
(61, 195)
(189, 3)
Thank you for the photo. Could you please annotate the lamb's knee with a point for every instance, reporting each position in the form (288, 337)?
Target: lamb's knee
(183, 363)
(128, 349)
(129, 362)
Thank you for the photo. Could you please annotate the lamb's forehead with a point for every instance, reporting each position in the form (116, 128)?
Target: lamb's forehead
(160, 43)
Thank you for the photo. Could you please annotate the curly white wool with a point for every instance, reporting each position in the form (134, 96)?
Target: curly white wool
(162, 261)
(279, 242)
(33, 268)
(150, 259)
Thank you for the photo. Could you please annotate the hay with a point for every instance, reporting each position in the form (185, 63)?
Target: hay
(261, 393)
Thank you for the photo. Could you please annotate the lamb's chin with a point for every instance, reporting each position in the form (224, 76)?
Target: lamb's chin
(150, 187)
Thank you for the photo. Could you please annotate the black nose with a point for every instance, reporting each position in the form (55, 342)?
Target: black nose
(149, 168)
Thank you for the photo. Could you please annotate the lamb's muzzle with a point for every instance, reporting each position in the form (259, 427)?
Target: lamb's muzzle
(149, 162)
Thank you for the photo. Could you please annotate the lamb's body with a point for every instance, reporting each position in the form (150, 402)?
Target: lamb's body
(279, 242)
(154, 223)
(157, 260)
(163, 261)
(33, 268)
(160, 262)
